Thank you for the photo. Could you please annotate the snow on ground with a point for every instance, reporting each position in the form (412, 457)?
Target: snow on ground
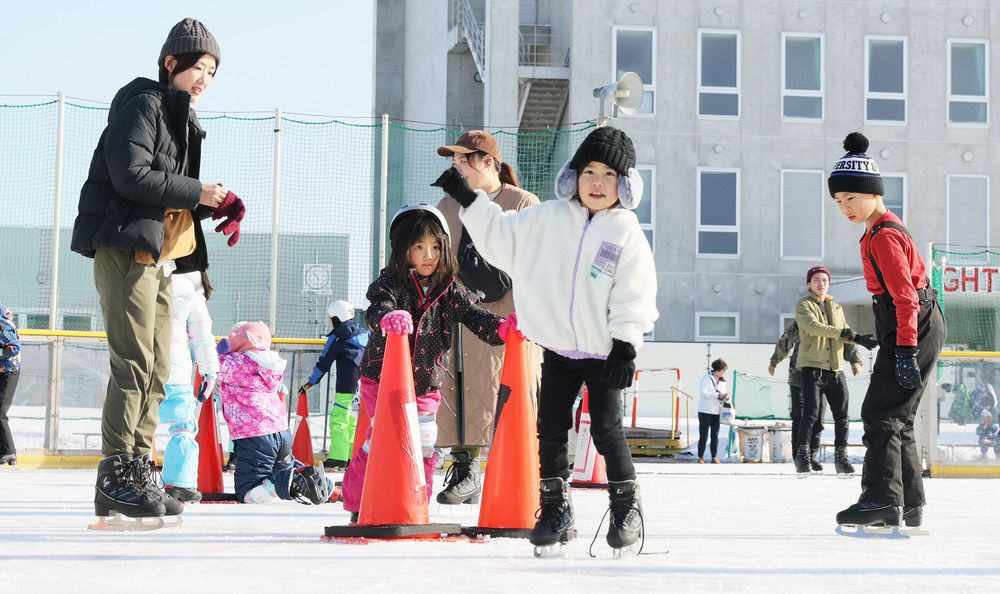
(728, 527)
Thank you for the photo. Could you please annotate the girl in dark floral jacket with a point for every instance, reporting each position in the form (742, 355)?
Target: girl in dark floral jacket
(418, 294)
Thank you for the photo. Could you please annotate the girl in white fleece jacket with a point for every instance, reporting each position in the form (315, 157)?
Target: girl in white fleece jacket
(586, 294)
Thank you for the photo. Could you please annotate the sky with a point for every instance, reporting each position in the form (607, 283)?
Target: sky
(309, 56)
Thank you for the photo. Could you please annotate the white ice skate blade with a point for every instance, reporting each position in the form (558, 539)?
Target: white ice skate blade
(887, 532)
(845, 475)
(119, 523)
(914, 532)
(553, 551)
(802, 475)
(626, 553)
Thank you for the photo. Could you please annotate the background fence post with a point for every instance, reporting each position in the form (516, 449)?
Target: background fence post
(51, 442)
(383, 193)
(52, 403)
(272, 311)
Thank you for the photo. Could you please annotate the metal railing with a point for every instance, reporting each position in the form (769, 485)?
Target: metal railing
(474, 34)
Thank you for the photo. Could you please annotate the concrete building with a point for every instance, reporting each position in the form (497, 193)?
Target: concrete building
(746, 105)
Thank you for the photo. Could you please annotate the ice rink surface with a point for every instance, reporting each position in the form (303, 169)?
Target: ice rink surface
(727, 527)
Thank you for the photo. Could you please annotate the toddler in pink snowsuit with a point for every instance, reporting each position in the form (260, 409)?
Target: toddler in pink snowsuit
(252, 390)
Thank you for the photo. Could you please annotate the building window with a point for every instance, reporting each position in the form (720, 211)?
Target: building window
(968, 210)
(885, 79)
(718, 74)
(968, 80)
(80, 323)
(802, 195)
(634, 50)
(647, 205)
(717, 326)
(895, 194)
(786, 321)
(718, 212)
(802, 77)
(37, 322)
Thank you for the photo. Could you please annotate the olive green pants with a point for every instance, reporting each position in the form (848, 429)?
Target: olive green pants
(136, 303)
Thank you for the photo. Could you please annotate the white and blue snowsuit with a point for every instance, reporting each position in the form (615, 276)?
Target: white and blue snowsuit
(192, 341)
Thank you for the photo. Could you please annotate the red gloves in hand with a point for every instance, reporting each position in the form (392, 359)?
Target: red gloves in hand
(233, 210)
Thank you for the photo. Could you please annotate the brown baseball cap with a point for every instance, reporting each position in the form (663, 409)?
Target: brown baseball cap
(471, 142)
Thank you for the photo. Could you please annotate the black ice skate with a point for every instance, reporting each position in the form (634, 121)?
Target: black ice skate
(149, 478)
(554, 527)
(119, 494)
(462, 484)
(801, 459)
(310, 485)
(814, 464)
(871, 520)
(183, 494)
(844, 467)
(625, 530)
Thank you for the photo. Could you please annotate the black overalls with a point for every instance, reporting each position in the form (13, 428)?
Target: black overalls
(892, 469)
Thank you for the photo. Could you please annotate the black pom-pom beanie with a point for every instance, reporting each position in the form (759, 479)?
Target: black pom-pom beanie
(855, 171)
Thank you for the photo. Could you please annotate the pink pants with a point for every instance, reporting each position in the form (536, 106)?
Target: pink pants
(354, 477)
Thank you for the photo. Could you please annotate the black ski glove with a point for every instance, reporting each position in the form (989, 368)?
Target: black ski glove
(452, 182)
(866, 340)
(619, 369)
(907, 370)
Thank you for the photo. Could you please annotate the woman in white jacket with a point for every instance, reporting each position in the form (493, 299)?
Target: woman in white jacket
(713, 392)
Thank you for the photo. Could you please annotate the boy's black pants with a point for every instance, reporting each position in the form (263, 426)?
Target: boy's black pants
(562, 379)
(817, 383)
(892, 468)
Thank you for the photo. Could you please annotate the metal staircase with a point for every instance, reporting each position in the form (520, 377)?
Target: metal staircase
(542, 103)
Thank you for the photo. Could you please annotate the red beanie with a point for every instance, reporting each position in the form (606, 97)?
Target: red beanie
(815, 270)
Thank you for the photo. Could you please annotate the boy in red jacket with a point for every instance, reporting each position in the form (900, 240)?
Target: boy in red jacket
(910, 330)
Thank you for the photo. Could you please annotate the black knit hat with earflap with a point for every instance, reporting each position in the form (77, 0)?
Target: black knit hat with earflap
(607, 145)
(188, 37)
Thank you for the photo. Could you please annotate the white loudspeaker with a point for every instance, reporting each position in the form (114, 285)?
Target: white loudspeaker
(625, 96)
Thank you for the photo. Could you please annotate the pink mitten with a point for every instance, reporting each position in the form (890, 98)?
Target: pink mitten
(397, 322)
(508, 325)
(207, 387)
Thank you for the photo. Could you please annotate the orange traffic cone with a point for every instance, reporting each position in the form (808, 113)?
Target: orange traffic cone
(589, 471)
(510, 489)
(302, 445)
(394, 495)
(209, 454)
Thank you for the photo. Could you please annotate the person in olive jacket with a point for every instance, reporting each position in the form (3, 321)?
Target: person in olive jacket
(139, 214)
(823, 331)
(788, 346)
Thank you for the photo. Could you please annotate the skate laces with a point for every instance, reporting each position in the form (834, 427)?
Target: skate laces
(632, 509)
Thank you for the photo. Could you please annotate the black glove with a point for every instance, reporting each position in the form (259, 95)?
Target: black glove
(907, 370)
(452, 182)
(619, 369)
(866, 340)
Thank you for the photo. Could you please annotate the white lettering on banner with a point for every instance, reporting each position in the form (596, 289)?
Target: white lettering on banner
(970, 279)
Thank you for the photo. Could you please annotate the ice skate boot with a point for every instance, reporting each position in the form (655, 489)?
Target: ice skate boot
(310, 485)
(120, 501)
(462, 484)
(183, 494)
(555, 525)
(149, 478)
(913, 517)
(871, 519)
(814, 464)
(625, 530)
(9, 460)
(801, 459)
(844, 467)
